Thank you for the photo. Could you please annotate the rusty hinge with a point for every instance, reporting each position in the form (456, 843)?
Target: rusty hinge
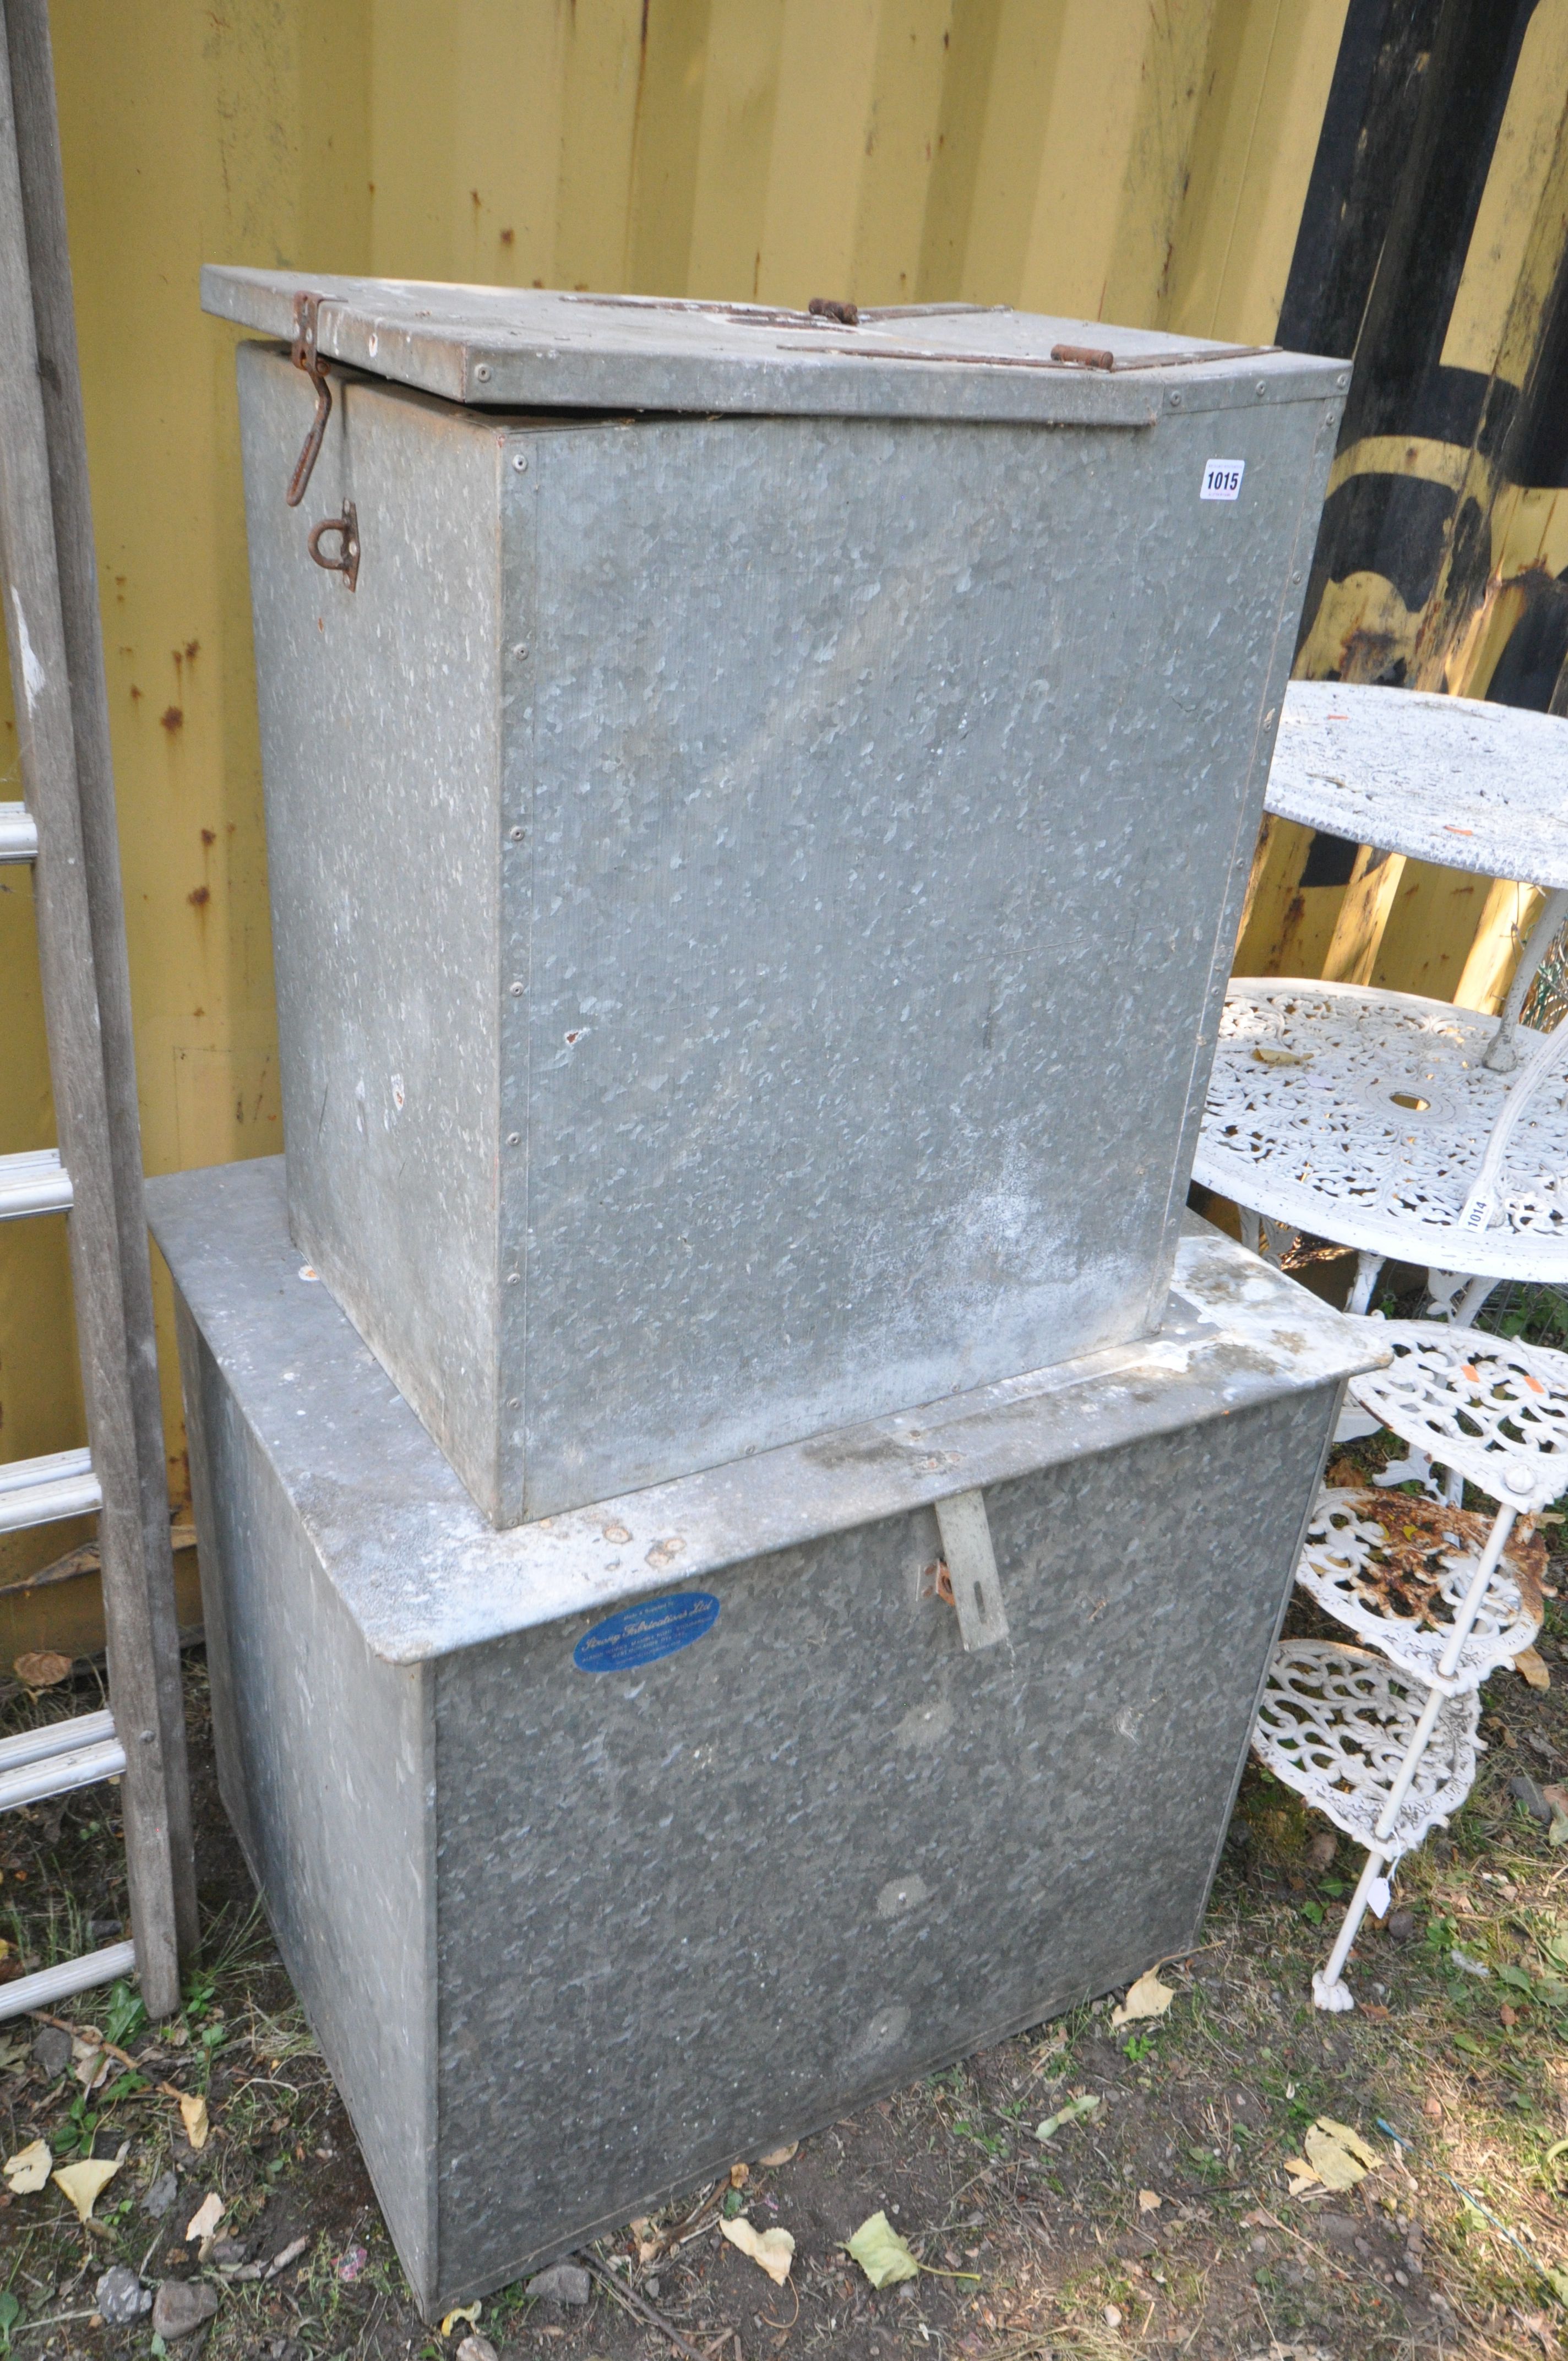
(305, 356)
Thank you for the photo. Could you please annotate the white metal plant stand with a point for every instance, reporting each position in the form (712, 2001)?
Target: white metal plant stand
(1449, 779)
(1377, 1119)
(1396, 1572)
(1371, 1117)
(1386, 1744)
(1337, 1723)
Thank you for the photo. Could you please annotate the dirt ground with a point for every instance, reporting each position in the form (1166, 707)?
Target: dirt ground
(1156, 2221)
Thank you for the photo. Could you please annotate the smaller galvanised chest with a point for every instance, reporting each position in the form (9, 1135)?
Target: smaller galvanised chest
(757, 810)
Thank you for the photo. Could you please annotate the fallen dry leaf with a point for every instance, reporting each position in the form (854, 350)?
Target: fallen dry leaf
(739, 2174)
(194, 2115)
(649, 2241)
(42, 1668)
(772, 2250)
(1336, 2155)
(1148, 1997)
(1149, 2201)
(205, 2219)
(29, 2168)
(84, 2183)
(1531, 1665)
(781, 2155)
(1267, 1055)
(468, 2311)
(881, 2254)
(90, 2061)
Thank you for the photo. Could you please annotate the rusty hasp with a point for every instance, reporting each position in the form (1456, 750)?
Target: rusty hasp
(304, 353)
(1085, 356)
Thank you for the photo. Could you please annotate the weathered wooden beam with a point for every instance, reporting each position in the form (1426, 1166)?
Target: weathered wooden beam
(1363, 915)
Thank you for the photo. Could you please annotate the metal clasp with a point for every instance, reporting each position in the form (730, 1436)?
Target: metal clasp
(305, 356)
(347, 561)
(971, 1568)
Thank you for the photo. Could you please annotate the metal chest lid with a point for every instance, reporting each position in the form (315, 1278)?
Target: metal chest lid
(423, 1573)
(530, 349)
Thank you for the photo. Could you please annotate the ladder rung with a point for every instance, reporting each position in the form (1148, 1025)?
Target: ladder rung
(57, 1774)
(18, 833)
(52, 1984)
(54, 1738)
(37, 1182)
(38, 1491)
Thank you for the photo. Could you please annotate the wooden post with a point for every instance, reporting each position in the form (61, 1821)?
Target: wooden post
(1363, 915)
(137, 1631)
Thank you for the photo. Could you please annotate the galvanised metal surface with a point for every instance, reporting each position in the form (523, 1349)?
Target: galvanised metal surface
(576, 1923)
(751, 895)
(549, 349)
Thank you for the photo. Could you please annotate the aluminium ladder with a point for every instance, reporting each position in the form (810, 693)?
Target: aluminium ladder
(65, 831)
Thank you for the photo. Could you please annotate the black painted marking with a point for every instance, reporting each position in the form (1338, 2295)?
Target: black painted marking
(1330, 859)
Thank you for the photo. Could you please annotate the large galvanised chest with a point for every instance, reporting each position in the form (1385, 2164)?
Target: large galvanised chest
(756, 853)
(611, 1849)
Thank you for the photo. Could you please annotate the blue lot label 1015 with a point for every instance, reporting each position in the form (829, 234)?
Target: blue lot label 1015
(641, 1634)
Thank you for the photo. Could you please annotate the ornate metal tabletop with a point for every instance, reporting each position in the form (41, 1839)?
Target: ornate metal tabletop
(1450, 779)
(1365, 1116)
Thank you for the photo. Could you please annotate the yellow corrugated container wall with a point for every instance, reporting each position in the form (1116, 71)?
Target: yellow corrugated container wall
(1141, 160)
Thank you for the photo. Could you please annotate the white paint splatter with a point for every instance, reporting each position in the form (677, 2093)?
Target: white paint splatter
(32, 670)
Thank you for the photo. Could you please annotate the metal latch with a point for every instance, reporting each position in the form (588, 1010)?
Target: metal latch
(972, 1570)
(305, 356)
(346, 527)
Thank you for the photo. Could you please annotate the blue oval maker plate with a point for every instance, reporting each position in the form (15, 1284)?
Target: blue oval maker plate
(641, 1634)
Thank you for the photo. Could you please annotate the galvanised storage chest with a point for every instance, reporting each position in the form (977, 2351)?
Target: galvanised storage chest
(611, 1849)
(757, 844)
